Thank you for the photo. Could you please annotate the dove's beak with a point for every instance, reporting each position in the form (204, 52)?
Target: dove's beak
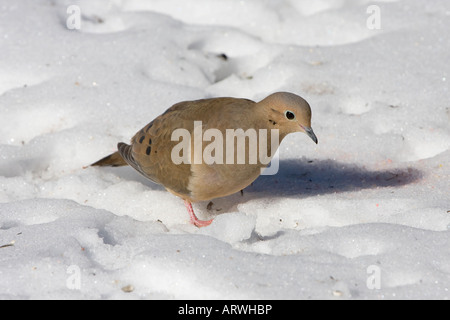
(309, 131)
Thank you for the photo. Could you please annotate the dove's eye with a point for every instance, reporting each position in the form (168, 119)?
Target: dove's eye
(289, 115)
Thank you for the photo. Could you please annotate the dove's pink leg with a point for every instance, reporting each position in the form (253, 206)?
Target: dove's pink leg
(194, 220)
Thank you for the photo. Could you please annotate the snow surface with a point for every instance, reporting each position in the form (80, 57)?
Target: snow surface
(362, 215)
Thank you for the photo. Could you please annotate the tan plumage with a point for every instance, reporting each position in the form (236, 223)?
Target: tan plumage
(151, 148)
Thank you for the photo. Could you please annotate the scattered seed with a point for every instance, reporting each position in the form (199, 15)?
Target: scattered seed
(128, 288)
(8, 245)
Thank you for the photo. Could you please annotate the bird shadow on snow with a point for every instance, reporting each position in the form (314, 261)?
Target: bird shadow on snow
(305, 178)
(299, 179)
(314, 177)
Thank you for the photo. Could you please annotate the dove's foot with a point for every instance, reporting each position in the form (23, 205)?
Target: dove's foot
(194, 220)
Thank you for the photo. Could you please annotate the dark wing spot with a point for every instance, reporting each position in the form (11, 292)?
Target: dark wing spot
(149, 149)
(141, 139)
(150, 141)
(149, 126)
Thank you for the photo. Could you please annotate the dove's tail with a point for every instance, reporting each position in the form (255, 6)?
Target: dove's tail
(113, 160)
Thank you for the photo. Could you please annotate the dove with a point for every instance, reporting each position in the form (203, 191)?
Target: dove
(192, 149)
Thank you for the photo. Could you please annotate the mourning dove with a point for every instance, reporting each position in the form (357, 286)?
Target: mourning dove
(156, 151)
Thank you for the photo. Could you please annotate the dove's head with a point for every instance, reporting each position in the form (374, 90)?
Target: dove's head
(289, 113)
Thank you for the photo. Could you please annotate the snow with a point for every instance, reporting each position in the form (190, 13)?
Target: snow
(362, 215)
